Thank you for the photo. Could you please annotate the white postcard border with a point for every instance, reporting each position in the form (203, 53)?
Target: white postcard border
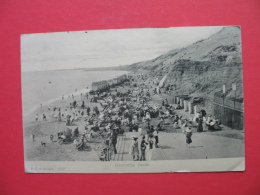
(191, 165)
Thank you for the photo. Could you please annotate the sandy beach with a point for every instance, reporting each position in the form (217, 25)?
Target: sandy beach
(52, 150)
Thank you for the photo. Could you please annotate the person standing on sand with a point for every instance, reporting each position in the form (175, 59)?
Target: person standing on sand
(188, 136)
(44, 117)
(88, 110)
(68, 120)
(36, 117)
(184, 125)
(148, 116)
(200, 127)
(59, 116)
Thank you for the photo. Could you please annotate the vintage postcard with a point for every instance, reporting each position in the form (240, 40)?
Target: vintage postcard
(133, 100)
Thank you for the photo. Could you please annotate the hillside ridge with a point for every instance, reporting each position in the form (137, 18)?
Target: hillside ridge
(201, 68)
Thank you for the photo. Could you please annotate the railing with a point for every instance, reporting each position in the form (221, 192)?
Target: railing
(229, 116)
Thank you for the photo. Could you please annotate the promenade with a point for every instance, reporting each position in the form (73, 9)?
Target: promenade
(173, 147)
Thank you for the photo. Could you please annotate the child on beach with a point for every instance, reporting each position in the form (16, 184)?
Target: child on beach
(36, 117)
(44, 117)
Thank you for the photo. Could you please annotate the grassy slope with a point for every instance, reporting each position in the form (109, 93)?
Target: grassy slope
(203, 67)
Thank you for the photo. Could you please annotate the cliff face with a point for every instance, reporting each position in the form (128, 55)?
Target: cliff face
(201, 68)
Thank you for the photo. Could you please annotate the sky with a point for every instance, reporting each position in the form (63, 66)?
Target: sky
(104, 48)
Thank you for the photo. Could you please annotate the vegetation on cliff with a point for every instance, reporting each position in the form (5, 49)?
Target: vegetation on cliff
(201, 68)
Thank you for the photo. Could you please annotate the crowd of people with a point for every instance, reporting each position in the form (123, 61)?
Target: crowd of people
(119, 110)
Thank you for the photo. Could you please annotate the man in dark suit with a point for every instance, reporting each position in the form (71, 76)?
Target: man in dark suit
(114, 140)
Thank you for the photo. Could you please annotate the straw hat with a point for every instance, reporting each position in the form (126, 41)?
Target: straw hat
(134, 137)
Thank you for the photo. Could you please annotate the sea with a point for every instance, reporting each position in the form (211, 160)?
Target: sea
(44, 87)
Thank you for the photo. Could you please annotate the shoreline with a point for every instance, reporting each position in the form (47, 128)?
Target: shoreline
(51, 101)
(27, 114)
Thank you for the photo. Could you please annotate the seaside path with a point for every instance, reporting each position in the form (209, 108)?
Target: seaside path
(123, 148)
(203, 146)
(173, 147)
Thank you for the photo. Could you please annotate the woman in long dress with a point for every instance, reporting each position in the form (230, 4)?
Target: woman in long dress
(188, 136)
(134, 150)
(200, 127)
(151, 147)
(155, 134)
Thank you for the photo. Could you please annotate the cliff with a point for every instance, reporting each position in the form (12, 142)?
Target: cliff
(201, 68)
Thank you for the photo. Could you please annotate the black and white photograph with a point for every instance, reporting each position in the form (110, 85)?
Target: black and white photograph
(133, 100)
